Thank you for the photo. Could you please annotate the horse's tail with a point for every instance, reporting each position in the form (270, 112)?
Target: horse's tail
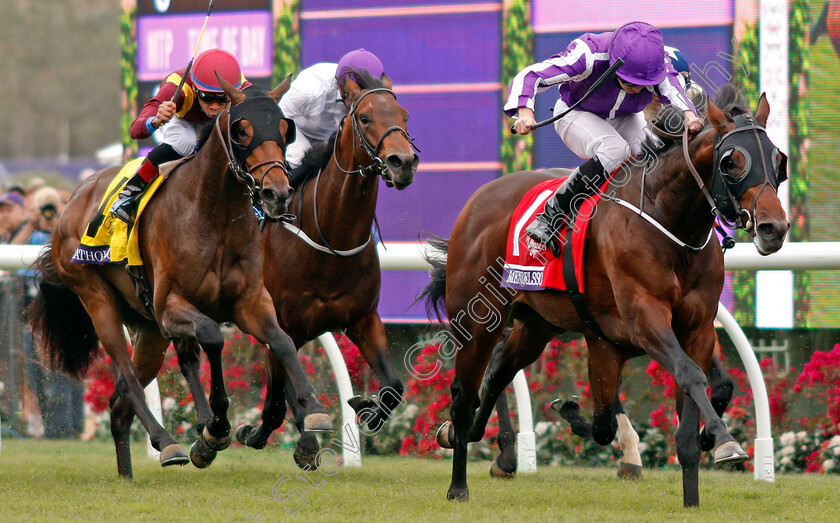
(60, 324)
(435, 292)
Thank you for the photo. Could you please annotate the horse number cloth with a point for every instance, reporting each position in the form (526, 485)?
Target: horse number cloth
(530, 265)
(108, 239)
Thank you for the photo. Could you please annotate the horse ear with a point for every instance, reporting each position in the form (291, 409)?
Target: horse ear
(723, 124)
(281, 89)
(386, 81)
(351, 89)
(235, 95)
(763, 110)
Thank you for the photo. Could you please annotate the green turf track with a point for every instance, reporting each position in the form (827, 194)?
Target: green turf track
(56, 481)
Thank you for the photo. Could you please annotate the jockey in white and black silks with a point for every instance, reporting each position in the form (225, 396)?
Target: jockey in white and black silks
(316, 103)
(607, 128)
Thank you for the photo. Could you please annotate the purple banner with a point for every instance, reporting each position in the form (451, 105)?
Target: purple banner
(166, 43)
(430, 204)
(455, 127)
(422, 49)
(385, 5)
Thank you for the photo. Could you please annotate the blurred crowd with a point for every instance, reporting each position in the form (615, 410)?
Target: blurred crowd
(52, 404)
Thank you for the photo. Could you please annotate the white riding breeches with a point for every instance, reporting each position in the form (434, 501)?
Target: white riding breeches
(181, 135)
(296, 150)
(588, 135)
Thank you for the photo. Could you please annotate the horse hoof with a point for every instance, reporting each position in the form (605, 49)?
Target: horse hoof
(458, 494)
(242, 433)
(498, 472)
(214, 442)
(201, 455)
(445, 435)
(730, 452)
(173, 455)
(318, 422)
(629, 471)
(306, 459)
(358, 403)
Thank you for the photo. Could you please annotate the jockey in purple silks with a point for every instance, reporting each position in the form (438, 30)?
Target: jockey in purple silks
(607, 128)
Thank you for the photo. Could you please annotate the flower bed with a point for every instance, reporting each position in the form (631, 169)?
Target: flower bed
(803, 444)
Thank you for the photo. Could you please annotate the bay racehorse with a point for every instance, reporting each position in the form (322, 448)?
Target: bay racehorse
(650, 292)
(201, 249)
(322, 270)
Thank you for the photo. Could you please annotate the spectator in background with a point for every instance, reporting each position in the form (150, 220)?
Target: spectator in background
(16, 229)
(60, 399)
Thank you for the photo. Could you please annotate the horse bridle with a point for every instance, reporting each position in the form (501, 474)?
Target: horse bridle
(378, 167)
(244, 174)
(724, 183)
(732, 211)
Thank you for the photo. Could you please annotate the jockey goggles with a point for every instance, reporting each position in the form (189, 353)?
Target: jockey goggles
(210, 97)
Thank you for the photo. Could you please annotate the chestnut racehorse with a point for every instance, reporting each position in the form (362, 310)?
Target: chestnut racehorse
(650, 290)
(200, 243)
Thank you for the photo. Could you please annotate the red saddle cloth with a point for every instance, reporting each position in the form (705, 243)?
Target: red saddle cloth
(531, 266)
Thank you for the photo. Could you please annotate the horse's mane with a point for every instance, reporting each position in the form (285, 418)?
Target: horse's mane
(730, 99)
(205, 132)
(363, 78)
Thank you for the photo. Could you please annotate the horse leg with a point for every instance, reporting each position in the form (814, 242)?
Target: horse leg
(180, 319)
(188, 361)
(201, 453)
(470, 362)
(605, 365)
(722, 387)
(255, 314)
(522, 347)
(688, 449)
(653, 330)
(630, 464)
(102, 308)
(504, 466)
(274, 407)
(148, 355)
(369, 335)
(307, 446)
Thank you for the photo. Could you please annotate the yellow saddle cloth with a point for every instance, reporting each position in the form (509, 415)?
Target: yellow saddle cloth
(108, 239)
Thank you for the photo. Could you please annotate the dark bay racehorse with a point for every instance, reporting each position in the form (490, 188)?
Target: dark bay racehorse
(648, 293)
(202, 256)
(323, 272)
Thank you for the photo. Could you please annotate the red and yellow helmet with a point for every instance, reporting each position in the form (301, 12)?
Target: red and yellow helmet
(210, 62)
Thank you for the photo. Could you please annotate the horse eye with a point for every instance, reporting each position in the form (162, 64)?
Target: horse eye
(239, 134)
(728, 164)
(364, 119)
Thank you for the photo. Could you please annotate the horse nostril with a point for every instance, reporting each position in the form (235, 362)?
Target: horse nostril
(767, 230)
(394, 161)
(269, 195)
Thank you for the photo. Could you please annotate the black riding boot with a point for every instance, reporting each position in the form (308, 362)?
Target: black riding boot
(584, 180)
(125, 206)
